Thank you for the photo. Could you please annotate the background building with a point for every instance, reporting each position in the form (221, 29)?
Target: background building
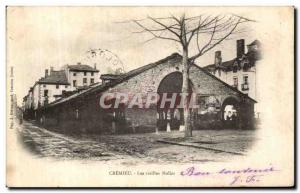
(50, 87)
(242, 71)
(57, 84)
(80, 76)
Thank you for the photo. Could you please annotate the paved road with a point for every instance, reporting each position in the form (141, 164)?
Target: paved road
(45, 143)
(205, 146)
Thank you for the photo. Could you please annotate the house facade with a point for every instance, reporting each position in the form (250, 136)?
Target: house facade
(242, 71)
(56, 84)
(28, 99)
(49, 88)
(27, 105)
(81, 76)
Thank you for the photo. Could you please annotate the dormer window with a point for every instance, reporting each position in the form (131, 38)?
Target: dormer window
(235, 67)
(245, 65)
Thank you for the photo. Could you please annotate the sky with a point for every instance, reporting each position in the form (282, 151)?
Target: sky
(40, 37)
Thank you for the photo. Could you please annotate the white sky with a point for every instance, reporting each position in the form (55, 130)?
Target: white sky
(40, 37)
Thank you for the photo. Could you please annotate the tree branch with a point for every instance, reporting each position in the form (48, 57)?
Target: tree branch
(155, 35)
(166, 27)
(156, 30)
(184, 29)
(209, 45)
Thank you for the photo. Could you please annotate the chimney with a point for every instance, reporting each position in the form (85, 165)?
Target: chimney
(51, 70)
(240, 48)
(46, 72)
(218, 58)
(95, 66)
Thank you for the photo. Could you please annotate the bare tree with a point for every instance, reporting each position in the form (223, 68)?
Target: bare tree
(203, 31)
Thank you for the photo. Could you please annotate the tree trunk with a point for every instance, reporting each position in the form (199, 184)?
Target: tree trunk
(185, 89)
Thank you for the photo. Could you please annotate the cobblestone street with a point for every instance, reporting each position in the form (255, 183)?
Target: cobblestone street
(204, 146)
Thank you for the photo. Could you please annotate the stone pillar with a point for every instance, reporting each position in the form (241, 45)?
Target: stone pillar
(181, 128)
(157, 122)
(156, 130)
(113, 127)
(168, 127)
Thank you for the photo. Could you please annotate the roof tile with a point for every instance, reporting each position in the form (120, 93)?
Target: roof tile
(55, 77)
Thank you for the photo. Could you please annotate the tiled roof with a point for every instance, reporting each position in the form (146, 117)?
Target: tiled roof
(252, 56)
(82, 67)
(55, 77)
(76, 94)
(226, 66)
(111, 76)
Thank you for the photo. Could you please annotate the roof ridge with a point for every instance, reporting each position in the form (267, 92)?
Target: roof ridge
(157, 62)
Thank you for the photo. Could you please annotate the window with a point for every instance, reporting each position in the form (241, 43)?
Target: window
(44, 86)
(74, 74)
(245, 79)
(84, 73)
(74, 83)
(92, 81)
(84, 80)
(245, 65)
(66, 86)
(92, 73)
(45, 93)
(57, 86)
(235, 69)
(245, 85)
(235, 82)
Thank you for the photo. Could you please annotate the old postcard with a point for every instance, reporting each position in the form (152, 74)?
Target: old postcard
(150, 96)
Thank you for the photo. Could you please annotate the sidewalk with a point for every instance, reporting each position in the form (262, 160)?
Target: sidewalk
(235, 142)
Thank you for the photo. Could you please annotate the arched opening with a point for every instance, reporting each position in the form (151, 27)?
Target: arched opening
(169, 114)
(230, 113)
